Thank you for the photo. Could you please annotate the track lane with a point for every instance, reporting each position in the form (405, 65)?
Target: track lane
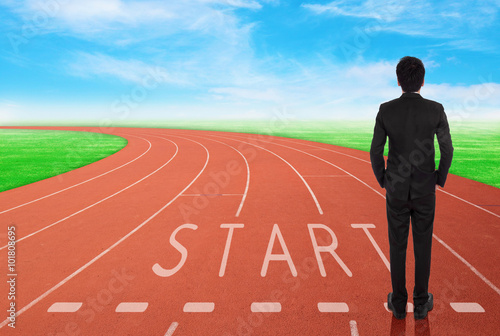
(461, 188)
(100, 232)
(41, 215)
(448, 214)
(470, 279)
(26, 236)
(318, 206)
(198, 281)
(245, 192)
(156, 249)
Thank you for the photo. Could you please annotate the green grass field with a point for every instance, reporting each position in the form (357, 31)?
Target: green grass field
(27, 156)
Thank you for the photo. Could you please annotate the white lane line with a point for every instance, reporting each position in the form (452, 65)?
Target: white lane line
(172, 328)
(468, 264)
(327, 149)
(78, 271)
(98, 202)
(467, 307)
(327, 162)
(472, 268)
(265, 307)
(354, 328)
(248, 172)
(333, 307)
(199, 307)
(65, 307)
(365, 228)
(474, 205)
(131, 307)
(76, 185)
(330, 150)
(288, 163)
(409, 307)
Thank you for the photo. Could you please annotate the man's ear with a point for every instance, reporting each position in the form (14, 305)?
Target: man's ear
(399, 84)
(423, 81)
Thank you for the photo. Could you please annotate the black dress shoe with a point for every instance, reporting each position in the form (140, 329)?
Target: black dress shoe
(420, 311)
(398, 315)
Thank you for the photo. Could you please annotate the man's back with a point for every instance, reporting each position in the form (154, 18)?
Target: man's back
(410, 122)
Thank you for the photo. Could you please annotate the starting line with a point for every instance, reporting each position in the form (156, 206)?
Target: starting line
(255, 307)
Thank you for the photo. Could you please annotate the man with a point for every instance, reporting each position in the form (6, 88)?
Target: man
(410, 180)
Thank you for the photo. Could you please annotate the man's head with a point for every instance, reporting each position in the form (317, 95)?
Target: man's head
(410, 72)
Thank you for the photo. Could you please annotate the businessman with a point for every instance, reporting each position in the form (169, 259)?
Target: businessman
(410, 179)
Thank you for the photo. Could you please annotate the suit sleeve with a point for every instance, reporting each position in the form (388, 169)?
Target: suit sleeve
(445, 147)
(377, 150)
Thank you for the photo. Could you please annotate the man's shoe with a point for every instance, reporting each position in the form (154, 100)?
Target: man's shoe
(397, 315)
(420, 311)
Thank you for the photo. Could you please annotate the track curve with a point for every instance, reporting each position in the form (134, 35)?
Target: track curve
(184, 200)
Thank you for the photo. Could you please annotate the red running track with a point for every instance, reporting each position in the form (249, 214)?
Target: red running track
(209, 233)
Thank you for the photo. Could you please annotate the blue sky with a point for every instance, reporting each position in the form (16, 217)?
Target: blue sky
(125, 60)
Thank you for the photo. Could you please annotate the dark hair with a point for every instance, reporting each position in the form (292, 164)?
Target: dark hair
(410, 72)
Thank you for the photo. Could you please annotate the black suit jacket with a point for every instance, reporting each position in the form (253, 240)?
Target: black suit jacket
(411, 122)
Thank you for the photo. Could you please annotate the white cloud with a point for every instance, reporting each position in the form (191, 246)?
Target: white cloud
(236, 3)
(382, 10)
(472, 101)
(339, 91)
(204, 46)
(236, 93)
(418, 17)
(9, 112)
(107, 21)
(87, 65)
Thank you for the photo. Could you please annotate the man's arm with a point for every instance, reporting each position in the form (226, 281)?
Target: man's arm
(377, 150)
(445, 147)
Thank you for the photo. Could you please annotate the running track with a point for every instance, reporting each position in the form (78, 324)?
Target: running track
(169, 236)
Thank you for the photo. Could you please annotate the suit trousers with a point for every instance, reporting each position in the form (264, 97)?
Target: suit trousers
(421, 212)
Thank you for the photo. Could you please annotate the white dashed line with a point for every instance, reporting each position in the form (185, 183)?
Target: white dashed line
(199, 307)
(333, 307)
(266, 307)
(354, 328)
(131, 307)
(172, 328)
(409, 307)
(467, 307)
(64, 307)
